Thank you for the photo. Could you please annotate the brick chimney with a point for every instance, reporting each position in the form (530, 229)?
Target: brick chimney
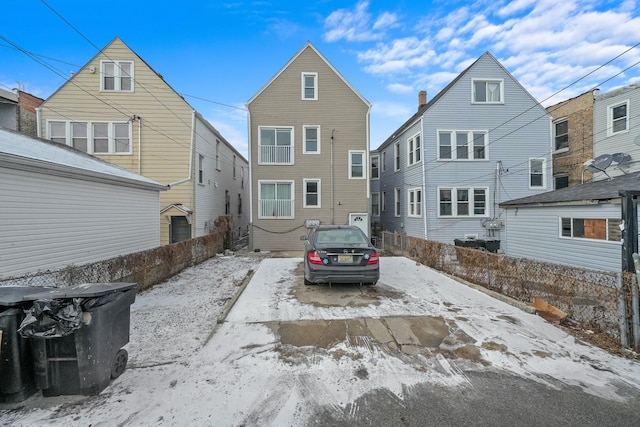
(422, 98)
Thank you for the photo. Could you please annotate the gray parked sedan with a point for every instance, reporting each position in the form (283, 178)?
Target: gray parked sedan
(339, 254)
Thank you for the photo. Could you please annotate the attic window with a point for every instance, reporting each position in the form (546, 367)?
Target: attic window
(309, 86)
(116, 76)
(487, 91)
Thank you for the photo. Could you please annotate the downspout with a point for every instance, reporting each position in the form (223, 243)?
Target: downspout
(139, 145)
(424, 178)
(250, 178)
(38, 128)
(193, 136)
(333, 207)
(366, 171)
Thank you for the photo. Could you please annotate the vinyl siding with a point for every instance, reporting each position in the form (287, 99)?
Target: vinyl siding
(339, 112)
(49, 222)
(533, 232)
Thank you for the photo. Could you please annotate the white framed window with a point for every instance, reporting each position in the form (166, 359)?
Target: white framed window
(537, 173)
(116, 76)
(383, 201)
(241, 176)
(375, 167)
(396, 201)
(590, 228)
(92, 137)
(200, 169)
(311, 139)
(218, 166)
(396, 156)
(462, 201)
(463, 145)
(276, 200)
(414, 199)
(309, 86)
(487, 91)
(275, 145)
(356, 164)
(561, 134)
(375, 204)
(618, 118)
(312, 193)
(234, 166)
(414, 148)
(383, 160)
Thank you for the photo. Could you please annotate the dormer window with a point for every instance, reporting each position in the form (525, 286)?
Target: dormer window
(487, 91)
(309, 86)
(116, 76)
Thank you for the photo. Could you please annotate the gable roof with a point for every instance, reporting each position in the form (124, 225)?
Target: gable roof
(20, 151)
(588, 192)
(293, 59)
(423, 108)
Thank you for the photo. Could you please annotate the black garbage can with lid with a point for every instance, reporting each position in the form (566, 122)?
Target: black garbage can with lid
(82, 354)
(17, 381)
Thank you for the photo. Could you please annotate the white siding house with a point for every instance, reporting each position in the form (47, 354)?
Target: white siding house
(61, 207)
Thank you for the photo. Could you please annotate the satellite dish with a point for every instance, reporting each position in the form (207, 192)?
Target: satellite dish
(620, 157)
(600, 163)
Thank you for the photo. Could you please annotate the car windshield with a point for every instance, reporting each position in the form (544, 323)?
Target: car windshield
(339, 235)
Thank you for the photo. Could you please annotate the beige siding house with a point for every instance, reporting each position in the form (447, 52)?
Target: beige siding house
(119, 109)
(309, 151)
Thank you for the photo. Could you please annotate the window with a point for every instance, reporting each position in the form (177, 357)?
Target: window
(234, 166)
(396, 199)
(375, 172)
(311, 193)
(560, 181)
(537, 173)
(356, 164)
(462, 202)
(310, 86)
(396, 156)
(413, 148)
(561, 134)
(227, 202)
(383, 202)
(384, 161)
(239, 203)
(415, 202)
(217, 154)
(618, 118)
(375, 204)
(200, 169)
(275, 199)
(275, 146)
(241, 176)
(93, 138)
(311, 139)
(117, 76)
(462, 145)
(487, 91)
(592, 228)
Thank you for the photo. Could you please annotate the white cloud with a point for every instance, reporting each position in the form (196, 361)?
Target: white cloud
(398, 56)
(399, 88)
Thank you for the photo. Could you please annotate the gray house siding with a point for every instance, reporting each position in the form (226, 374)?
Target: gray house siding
(605, 141)
(534, 232)
(518, 129)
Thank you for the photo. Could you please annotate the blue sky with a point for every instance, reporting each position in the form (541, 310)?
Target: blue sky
(218, 54)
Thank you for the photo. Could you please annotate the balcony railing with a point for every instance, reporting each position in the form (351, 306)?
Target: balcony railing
(275, 155)
(270, 208)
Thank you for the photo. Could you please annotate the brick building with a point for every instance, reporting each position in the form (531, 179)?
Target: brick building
(18, 111)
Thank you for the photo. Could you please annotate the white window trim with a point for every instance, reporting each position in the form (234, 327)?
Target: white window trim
(454, 145)
(415, 191)
(293, 198)
(111, 135)
(292, 159)
(610, 108)
(411, 142)
(304, 136)
(501, 81)
(560, 218)
(315, 85)
(304, 193)
(397, 207)
(218, 145)
(383, 161)
(454, 202)
(117, 75)
(544, 174)
(375, 193)
(397, 161)
(371, 167)
(364, 164)
(200, 169)
(383, 203)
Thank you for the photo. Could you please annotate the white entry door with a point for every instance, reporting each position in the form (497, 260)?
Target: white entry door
(361, 220)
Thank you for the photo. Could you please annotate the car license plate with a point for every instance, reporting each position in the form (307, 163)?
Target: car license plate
(346, 259)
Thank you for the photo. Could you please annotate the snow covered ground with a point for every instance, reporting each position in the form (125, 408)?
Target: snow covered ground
(186, 369)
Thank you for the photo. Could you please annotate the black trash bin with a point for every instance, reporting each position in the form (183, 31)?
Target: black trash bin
(86, 359)
(492, 245)
(17, 381)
